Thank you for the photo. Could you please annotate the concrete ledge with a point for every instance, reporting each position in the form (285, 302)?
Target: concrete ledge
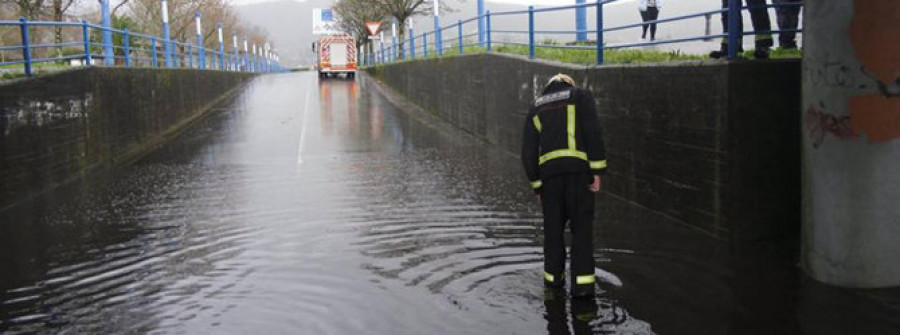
(56, 128)
(712, 145)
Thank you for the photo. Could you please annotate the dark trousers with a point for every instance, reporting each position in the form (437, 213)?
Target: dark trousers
(759, 15)
(566, 198)
(788, 18)
(651, 14)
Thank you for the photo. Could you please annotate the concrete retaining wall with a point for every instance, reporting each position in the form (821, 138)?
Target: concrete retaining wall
(58, 127)
(712, 145)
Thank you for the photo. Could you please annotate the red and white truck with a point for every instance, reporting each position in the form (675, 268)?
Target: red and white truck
(336, 55)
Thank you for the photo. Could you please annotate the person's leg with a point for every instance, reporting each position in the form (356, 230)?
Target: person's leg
(782, 20)
(644, 26)
(792, 22)
(652, 14)
(723, 51)
(553, 202)
(580, 205)
(556, 316)
(759, 15)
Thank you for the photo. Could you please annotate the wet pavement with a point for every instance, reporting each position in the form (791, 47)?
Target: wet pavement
(322, 208)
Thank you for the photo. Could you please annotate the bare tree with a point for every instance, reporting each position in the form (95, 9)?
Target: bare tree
(29, 9)
(60, 7)
(353, 15)
(181, 20)
(402, 10)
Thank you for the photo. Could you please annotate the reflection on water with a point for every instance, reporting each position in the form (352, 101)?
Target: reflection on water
(388, 224)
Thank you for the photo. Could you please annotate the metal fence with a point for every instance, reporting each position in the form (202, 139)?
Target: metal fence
(104, 45)
(454, 39)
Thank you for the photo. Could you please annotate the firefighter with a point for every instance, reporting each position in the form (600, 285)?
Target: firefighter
(759, 15)
(788, 19)
(564, 157)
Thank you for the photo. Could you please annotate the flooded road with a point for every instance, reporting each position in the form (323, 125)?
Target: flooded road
(322, 208)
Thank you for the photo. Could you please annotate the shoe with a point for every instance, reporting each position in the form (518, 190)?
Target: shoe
(723, 52)
(761, 53)
(718, 54)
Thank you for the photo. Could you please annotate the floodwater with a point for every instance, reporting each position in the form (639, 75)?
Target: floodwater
(307, 207)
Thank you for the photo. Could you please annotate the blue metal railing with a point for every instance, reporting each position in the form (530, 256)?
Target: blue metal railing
(122, 48)
(454, 37)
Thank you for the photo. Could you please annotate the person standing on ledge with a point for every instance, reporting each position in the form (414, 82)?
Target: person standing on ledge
(788, 19)
(649, 12)
(762, 26)
(564, 157)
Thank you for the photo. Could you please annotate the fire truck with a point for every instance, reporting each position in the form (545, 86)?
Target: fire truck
(335, 55)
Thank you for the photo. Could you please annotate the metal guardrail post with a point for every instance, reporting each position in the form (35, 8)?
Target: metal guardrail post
(425, 45)
(125, 50)
(531, 32)
(190, 56)
(487, 22)
(86, 38)
(155, 58)
(26, 47)
(599, 32)
(460, 34)
(734, 36)
(412, 43)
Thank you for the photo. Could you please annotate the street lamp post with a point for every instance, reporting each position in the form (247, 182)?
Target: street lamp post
(201, 57)
(167, 43)
(107, 33)
(236, 52)
(221, 48)
(580, 21)
(481, 22)
(438, 40)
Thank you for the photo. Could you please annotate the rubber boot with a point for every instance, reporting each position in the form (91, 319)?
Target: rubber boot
(583, 286)
(763, 47)
(554, 281)
(723, 52)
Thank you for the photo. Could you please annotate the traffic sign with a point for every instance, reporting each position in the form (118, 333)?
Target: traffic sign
(373, 27)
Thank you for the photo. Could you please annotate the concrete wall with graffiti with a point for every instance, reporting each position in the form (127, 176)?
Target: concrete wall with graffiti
(851, 142)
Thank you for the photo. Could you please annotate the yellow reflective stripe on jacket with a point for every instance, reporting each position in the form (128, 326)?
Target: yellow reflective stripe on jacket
(562, 153)
(598, 165)
(570, 126)
(536, 184)
(584, 280)
(548, 277)
(537, 123)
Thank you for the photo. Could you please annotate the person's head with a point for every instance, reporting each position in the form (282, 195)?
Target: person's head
(558, 82)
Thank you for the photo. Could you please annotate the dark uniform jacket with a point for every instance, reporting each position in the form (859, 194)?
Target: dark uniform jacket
(562, 135)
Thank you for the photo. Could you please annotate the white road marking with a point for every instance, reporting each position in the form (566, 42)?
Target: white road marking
(303, 128)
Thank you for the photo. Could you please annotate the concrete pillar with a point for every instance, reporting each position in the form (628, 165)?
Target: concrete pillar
(851, 142)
